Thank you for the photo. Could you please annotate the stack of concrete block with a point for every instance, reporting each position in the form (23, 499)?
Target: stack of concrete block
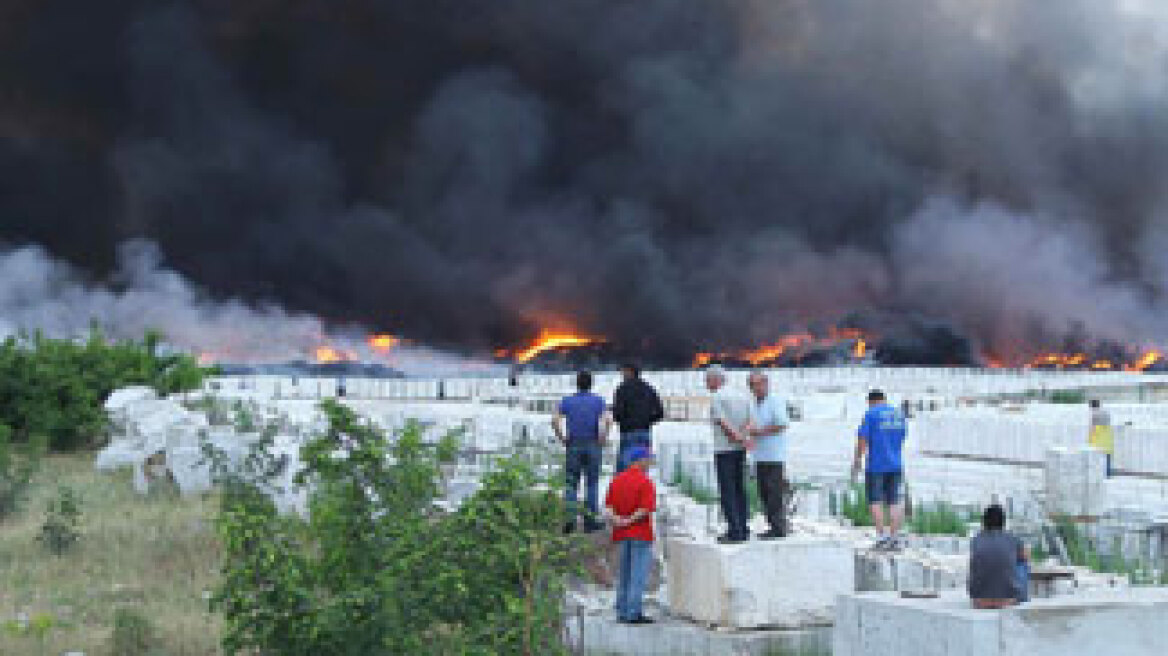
(789, 583)
(1074, 479)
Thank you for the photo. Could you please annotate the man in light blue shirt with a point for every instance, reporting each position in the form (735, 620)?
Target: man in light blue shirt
(767, 432)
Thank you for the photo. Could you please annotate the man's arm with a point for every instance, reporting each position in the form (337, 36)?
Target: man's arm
(557, 425)
(658, 409)
(861, 449)
(619, 401)
(605, 427)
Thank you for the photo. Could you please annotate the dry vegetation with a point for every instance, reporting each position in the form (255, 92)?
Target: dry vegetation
(155, 555)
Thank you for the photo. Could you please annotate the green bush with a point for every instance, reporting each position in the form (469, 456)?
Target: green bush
(132, 635)
(377, 569)
(62, 527)
(852, 504)
(1072, 397)
(55, 388)
(18, 463)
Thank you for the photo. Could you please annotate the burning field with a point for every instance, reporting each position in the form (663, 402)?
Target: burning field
(488, 184)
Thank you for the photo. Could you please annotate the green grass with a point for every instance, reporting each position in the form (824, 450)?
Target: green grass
(152, 555)
(939, 518)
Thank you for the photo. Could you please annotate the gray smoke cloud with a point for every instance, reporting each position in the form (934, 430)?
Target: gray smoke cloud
(674, 174)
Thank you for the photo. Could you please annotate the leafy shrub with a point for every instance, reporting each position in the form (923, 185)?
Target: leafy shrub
(55, 388)
(852, 504)
(132, 635)
(376, 569)
(62, 527)
(18, 463)
(1072, 397)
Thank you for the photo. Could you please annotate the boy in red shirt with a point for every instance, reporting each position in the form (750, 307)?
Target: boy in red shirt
(631, 501)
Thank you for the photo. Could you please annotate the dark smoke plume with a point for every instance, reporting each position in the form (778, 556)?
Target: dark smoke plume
(673, 174)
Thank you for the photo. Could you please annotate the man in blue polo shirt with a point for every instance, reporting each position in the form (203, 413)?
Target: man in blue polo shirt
(588, 424)
(881, 438)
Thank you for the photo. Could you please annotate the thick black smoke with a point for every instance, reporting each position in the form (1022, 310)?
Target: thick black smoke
(674, 174)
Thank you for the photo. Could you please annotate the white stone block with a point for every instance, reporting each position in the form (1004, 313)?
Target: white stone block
(786, 583)
(1075, 481)
(1128, 622)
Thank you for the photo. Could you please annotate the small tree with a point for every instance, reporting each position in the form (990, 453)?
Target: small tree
(62, 527)
(376, 569)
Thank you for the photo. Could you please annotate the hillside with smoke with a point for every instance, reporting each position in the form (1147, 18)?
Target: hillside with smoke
(675, 175)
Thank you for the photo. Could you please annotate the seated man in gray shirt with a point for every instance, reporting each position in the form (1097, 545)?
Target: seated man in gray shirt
(998, 564)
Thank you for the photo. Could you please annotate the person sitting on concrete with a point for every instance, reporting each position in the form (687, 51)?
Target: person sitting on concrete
(587, 424)
(635, 408)
(767, 430)
(1101, 435)
(999, 564)
(630, 503)
(881, 439)
(729, 415)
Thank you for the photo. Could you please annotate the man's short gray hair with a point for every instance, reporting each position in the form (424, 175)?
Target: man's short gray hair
(716, 370)
(758, 373)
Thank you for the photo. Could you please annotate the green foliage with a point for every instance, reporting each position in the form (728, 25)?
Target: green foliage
(688, 486)
(62, 527)
(448, 445)
(18, 463)
(36, 627)
(376, 569)
(940, 518)
(1072, 397)
(55, 388)
(852, 504)
(132, 634)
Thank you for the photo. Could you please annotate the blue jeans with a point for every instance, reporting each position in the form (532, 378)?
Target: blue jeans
(636, 557)
(583, 458)
(628, 440)
(1022, 571)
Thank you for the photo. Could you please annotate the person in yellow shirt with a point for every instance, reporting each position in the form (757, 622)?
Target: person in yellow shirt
(1101, 435)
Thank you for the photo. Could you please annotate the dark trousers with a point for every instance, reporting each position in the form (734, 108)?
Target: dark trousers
(730, 468)
(772, 488)
(583, 459)
(628, 440)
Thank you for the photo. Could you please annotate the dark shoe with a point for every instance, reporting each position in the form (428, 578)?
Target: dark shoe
(569, 528)
(592, 527)
(642, 620)
(731, 539)
(771, 535)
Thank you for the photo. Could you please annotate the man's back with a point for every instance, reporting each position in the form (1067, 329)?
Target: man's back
(636, 406)
(629, 491)
(993, 564)
(582, 411)
(884, 430)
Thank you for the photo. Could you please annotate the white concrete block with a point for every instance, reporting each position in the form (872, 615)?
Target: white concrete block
(787, 583)
(1074, 481)
(1128, 622)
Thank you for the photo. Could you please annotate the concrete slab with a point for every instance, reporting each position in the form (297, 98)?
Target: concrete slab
(595, 634)
(789, 583)
(1129, 622)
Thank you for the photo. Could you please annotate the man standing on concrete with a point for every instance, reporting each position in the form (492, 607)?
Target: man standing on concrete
(587, 431)
(631, 501)
(881, 438)
(767, 429)
(1101, 435)
(635, 408)
(999, 564)
(729, 415)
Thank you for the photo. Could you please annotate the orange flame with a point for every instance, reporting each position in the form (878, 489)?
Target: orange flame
(383, 344)
(1146, 360)
(329, 355)
(549, 340)
(860, 349)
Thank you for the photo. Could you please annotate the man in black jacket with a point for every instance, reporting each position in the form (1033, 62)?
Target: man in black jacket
(635, 408)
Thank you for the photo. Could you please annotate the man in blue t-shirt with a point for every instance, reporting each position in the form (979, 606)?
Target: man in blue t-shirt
(588, 423)
(881, 438)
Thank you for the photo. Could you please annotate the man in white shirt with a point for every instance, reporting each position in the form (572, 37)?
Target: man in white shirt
(729, 414)
(767, 428)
